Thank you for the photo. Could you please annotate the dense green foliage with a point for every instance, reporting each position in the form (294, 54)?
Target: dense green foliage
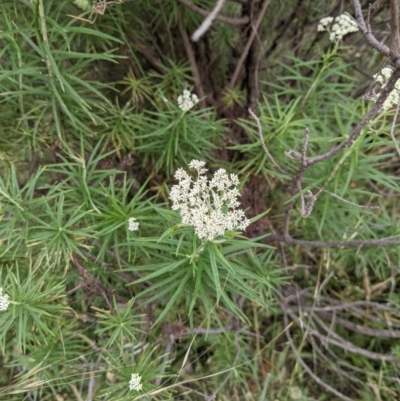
(91, 135)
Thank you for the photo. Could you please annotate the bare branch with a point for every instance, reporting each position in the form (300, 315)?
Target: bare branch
(376, 109)
(360, 329)
(192, 61)
(306, 367)
(344, 200)
(393, 128)
(381, 48)
(394, 31)
(239, 65)
(340, 342)
(206, 24)
(260, 135)
(168, 348)
(204, 13)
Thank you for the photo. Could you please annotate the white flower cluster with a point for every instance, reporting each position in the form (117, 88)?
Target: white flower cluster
(394, 96)
(132, 224)
(187, 101)
(210, 206)
(383, 76)
(342, 25)
(4, 302)
(134, 383)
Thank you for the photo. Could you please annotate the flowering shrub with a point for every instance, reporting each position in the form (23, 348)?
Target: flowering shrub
(209, 206)
(342, 25)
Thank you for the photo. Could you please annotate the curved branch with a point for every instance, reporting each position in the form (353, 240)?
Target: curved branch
(306, 367)
(357, 328)
(368, 35)
(376, 109)
(206, 24)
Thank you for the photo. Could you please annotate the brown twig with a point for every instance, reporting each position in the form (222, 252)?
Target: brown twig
(393, 128)
(332, 364)
(310, 314)
(306, 367)
(192, 61)
(143, 50)
(394, 31)
(264, 146)
(368, 35)
(239, 65)
(95, 287)
(168, 348)
(339, 341)
(367, 331)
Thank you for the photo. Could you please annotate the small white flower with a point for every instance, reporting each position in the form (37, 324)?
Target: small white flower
(134, 383)
(343, 24)
(323, 23)
(383, 76)
(391, 100)
(394, 96)
(132, 224)
(210, 206)
(187, 101)
(387, 72)
(4, 302)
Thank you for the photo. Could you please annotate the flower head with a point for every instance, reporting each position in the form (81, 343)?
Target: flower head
(4, 302)
(132, 224)
(187, 101)
(210, 206)
(323, 23)
(134, 383)
(383, 76)
(394, 96)
(340, 26)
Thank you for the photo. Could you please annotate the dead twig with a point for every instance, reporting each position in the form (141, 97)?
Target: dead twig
(242, 59)
(264, 146)
(192, 61)
(394, 31)
(204, 13)
(306, 367)
(206, 24)
(366, 31)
